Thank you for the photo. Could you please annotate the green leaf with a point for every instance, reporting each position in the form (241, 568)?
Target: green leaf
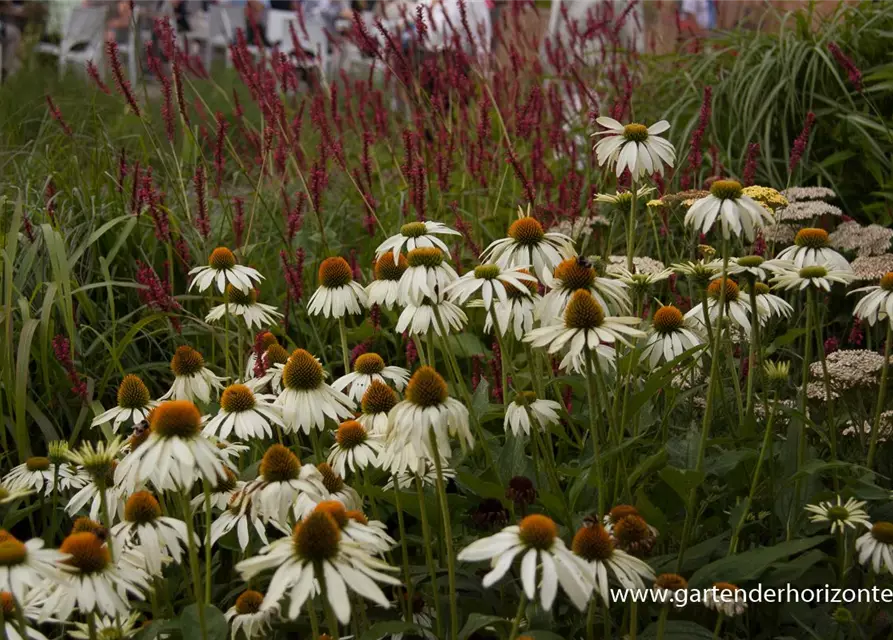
(751, 564)
(476, 622)
(217, 627)
(389, 628)
(682, 481)
(678, 630)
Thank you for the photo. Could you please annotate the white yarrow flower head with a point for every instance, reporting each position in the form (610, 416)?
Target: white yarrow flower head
(596, 553)
(726, 598)
(634, 146)
(134, 404)
(192, 380)
(736, 212)
(818, 276)
(317, 551)
(245, 414)
(527, 411)
(377, 403)
(669, 338)
(535, 540)
(877, 303)
(384, 290)
(354, 448)
(156, 537)
(367, 368)
(840, 515)
(427, 408)
(875, 548)
(416, 235)
(491, 281)
(306, 400)
(576, 274)
(222, 270)
(736, 307)
(584, 330)
(420, 319)
(25, 565)
(248, 617)
(812, 247)
(244, 304)
(529, 244)
(338, 294)
(282, 481)
(92, 582)
(426, 278)
(175, 455)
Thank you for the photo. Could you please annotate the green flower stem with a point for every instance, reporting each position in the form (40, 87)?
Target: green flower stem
(447, 535)
(345, 352)
(801, 428)
(331, 620)
(882, 395)
(104, 512)
(193, 563)
(754, 483)
(708, 408)
(826, 380)
(590, 618)
(314, 621)
(207, 491)
(719, 620)
(755, 356)
(593, 431)
(504, 362)
(516, 623)
(429, 554)
(225, 334)
(54, 501)
(405, 553)
(662, 621)
(420, 350)
(631, 226)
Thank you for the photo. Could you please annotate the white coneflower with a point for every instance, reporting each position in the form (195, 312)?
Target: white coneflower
(877, 303)
(669, 338)
(357, 528)
(244, 304)
(702, 272)
(192, 380)
(517, 311)
(335, 489)
(274, 359)
(726, 598)
(337, 294)
(595, 551)
(37, 474)
(755, 267)
(811, 247)
(226, 486)
(16, 611)
(536, 541)
(819, 276)
(146, 530)
(577, 274)
(770, 305)
(92, 582)
(317, 552)
(306, 400)
(247, 617)
(876, 547)
(584, 329)
(419, 320)
(518, 420)
(175, 455)
(367, 368)
(108, 628)
(134, 404)
(416, 235)
(736, 309)
(240, 513)
(666, 585)
(427, 277)
(388, 270)
(622, 200)
(634, 146)
(491, 281)
(426, 472)
(354, 448)
(281, 482)
(639, 282)
(11, 494)
(377, 402)
(840, 515)
(25, 565)
(98, 462)
(222, 270)
(427, 407)
(737, 213)
(244, 413)
(529, 244)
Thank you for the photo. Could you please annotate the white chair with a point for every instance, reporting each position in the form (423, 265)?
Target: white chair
(223, 22)
(279, 35)
(82, 38)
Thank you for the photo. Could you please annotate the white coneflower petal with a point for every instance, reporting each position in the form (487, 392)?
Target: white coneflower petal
(245, 305)
(594, 551)
(812, 248)
(669, 338)
(337, 294)
(306, 400)
(414, 235)
(245, 414)
(877, 303)
(222, 270)
(367, 368)
(527, 407)
(134, 404)
(839, 515)
(875, 548)
(634, 146)
(737, 213)
(192, 380)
